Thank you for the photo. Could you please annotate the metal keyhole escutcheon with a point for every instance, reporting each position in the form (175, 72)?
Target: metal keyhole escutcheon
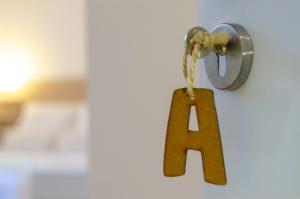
(237, 61)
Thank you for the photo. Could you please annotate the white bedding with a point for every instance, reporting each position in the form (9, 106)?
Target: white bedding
(44, 155)
(43, 176)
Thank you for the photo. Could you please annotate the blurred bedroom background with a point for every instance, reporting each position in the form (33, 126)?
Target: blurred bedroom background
(43, 107)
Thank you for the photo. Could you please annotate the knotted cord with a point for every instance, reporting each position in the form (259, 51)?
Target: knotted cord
(200, 42)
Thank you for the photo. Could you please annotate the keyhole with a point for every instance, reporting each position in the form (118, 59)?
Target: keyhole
(222, 65)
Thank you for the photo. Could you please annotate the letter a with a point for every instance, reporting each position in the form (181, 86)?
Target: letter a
(207, 140)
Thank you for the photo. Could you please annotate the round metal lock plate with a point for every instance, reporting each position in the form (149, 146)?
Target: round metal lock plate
(237, 60)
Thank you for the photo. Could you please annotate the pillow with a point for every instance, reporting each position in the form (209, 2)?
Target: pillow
(81, 118)
(29, 140)
(46, 126)
(43, 115)
(71, 141)
(74, 139)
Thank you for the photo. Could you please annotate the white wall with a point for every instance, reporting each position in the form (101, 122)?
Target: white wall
(260, 122)
(51, 33)
(135, 50)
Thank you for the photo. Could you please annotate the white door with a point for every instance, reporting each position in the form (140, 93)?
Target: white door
(135, 50)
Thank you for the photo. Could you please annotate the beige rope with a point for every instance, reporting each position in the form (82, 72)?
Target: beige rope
(201, 41)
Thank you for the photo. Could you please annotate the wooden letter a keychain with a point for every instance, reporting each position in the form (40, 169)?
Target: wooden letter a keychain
(207, 140)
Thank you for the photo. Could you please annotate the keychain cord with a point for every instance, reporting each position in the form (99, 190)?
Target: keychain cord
(200, 41)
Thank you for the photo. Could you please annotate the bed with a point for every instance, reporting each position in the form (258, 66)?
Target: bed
(43, 156)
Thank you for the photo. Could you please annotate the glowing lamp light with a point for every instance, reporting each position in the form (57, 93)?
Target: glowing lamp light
(14, 69)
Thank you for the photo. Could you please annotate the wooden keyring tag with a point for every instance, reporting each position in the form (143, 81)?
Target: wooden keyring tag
(207, 140)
